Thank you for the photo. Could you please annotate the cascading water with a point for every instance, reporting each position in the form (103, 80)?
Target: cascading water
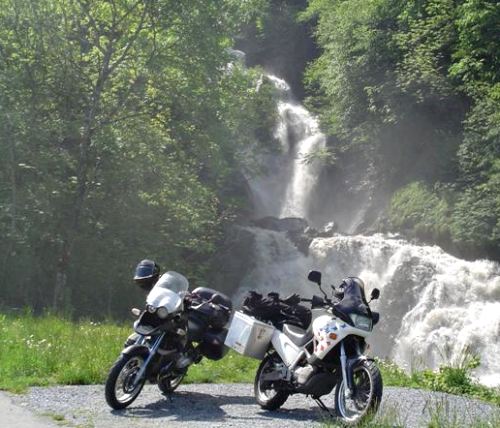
(285, 192)
(434, 307)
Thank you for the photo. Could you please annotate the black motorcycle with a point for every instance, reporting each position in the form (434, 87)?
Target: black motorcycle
(177, 328)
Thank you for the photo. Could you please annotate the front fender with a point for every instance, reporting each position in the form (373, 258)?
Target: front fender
(352, 363)
(136, 349)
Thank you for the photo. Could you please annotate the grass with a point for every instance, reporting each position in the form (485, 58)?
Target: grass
(439, 417)
(59, 419)
(233, 368)
(48, 350)
(453, 380)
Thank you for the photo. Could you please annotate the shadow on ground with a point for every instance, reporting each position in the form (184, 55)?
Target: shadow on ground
(185, 406)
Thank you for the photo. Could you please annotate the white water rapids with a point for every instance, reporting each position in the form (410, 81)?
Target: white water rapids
(434, 307)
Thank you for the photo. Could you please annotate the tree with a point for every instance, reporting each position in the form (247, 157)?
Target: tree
(117, 139)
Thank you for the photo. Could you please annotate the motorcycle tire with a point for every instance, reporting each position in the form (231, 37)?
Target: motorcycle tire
(118, 396)
(367, 395)
(265, 400)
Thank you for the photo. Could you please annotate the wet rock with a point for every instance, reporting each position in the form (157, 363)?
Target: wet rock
(287, 224)
(329, 229)
(301, 240)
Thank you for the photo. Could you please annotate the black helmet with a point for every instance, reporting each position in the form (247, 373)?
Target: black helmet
(146, 274)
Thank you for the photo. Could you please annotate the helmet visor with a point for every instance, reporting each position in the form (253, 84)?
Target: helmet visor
(143, 271)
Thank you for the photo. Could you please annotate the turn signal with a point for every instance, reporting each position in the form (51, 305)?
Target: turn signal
(333, 336)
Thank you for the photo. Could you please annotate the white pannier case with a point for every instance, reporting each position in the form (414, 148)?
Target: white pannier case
(249, 336)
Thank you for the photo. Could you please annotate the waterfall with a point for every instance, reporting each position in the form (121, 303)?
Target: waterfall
(434, 307)
(286, 190)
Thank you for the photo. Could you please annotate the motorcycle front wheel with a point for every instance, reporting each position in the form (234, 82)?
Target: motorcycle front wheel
(119, 390)
(367, 393)
(266, 395)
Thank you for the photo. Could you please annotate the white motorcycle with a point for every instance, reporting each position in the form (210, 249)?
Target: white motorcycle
(328, 354)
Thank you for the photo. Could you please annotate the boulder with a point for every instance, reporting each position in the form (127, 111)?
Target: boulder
(287, 224)
(300, 240)
(328, 230)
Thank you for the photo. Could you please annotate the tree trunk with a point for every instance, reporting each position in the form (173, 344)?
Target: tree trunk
(13, 192)
(73, 225)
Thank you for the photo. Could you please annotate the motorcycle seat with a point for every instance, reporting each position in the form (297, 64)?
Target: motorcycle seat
(297, 335)
(207, 293)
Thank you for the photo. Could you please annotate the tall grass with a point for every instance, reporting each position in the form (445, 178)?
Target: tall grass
(453, 380)
(48, 350)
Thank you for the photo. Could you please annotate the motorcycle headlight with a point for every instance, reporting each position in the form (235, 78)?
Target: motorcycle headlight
(151, 309)
(162, 312)
(362, 322)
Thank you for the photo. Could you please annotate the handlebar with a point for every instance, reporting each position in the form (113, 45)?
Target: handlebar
(211, 300)
(317, 301)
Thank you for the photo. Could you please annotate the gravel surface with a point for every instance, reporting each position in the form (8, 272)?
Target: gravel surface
(12, 415)
(229, 405)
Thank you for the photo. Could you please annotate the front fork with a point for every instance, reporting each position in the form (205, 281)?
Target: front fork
(348, 365)
(346, 376)
(152, 352)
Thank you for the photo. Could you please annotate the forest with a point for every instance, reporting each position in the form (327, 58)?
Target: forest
(128, 129)
(409, 92)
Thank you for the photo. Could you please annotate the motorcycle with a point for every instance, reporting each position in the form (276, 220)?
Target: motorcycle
(175, 330)
(329, 353)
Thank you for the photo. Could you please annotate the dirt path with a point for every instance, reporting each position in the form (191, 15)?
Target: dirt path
(14, 415)
(231, 405)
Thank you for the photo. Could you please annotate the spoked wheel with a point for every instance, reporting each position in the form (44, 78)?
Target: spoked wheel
(265, 393)
(120, 390)
(367, 393)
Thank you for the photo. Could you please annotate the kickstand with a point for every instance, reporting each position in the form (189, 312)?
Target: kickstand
(168, 396)
(323, 407)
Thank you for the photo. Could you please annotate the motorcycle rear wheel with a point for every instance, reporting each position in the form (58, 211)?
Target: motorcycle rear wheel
(367, 395)
(119, 389)
(268, 398)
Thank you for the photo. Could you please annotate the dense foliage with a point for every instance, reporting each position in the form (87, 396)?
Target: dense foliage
(279, 42)
(125, 132)
(411, 91)
(122, 133)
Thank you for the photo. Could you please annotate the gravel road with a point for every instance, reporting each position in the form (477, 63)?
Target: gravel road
(226, 405)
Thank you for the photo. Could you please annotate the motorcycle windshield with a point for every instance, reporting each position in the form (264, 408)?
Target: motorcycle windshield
(354, 301)
(159, 297)
(173, 281)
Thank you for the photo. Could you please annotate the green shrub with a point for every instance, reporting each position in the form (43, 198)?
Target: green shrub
(421, 211)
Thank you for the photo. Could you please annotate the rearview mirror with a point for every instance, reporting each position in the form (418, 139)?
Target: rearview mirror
(375, 294)
(314, 276)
